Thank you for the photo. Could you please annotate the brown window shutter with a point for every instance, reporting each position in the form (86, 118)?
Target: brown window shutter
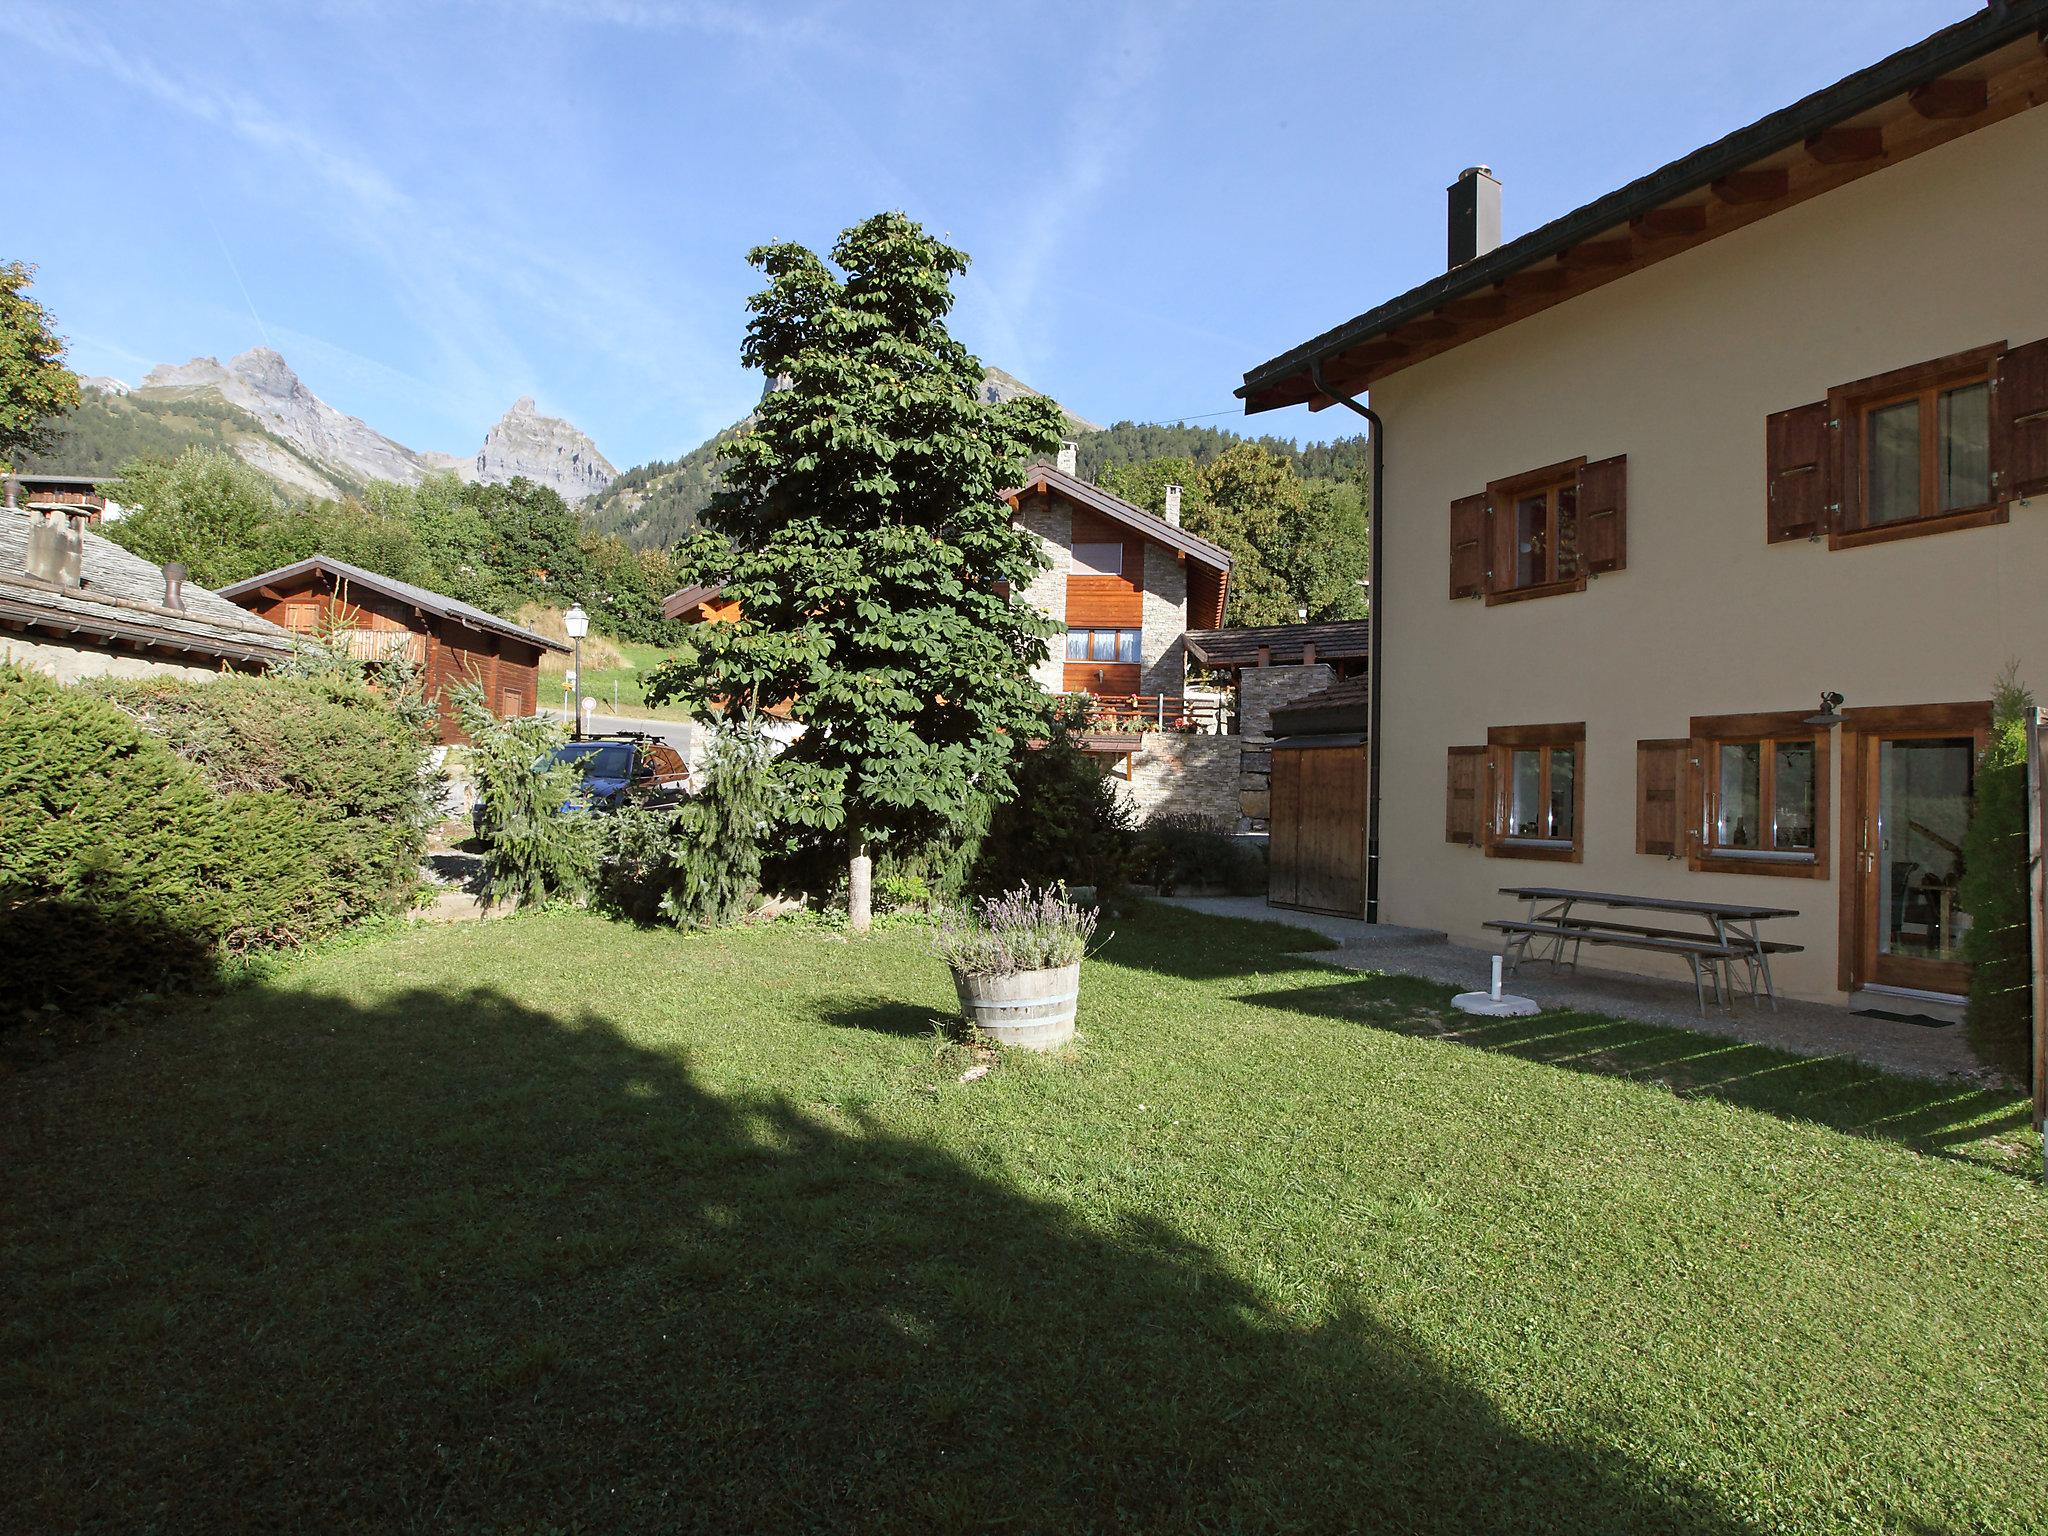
(1462, 799)
(2019, 422)
(1603, 514)
(1798, 472)
(1660, 789)
(1468, 546)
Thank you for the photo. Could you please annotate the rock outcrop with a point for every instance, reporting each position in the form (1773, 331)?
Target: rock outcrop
(546, 450)
(262, 383)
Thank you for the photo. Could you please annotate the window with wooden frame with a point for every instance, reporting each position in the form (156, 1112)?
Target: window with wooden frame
(1939, 446)
(1120, 645)
(1536, 791)
(1540, 533)
(1758, 787)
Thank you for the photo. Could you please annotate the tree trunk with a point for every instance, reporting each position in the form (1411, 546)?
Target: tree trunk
(860, 889)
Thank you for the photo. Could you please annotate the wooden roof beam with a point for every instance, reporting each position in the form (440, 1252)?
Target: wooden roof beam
(1430, 328)
(1758, 186)
(1480, 306)
(1668, 223)
(1538, 280)
(1949, 98)
(1600, 253)
(1846, 146)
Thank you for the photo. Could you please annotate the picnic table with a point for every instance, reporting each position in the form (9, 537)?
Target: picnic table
(1728, 935)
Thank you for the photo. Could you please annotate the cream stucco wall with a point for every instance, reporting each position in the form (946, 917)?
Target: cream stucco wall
(1677, 366)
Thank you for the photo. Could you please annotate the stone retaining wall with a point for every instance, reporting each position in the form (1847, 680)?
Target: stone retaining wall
(1175, 775)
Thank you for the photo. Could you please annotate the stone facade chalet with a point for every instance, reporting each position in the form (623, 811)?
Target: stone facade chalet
(1128, 586)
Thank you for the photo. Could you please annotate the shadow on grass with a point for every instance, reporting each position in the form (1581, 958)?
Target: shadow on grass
(1939, 1119)
(886, 1018)
(453, 1263)
(1201, 946)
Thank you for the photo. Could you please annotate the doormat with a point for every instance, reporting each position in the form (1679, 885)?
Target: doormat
(1924, 1020)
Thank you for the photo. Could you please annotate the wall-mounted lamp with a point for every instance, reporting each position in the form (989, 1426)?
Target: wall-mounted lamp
(1830, 713)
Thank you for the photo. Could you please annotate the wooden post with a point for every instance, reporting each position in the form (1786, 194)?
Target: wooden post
(2037, 915)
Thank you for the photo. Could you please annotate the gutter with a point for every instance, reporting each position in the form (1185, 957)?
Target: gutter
(1374, 640)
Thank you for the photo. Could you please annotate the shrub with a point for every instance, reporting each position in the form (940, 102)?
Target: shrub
(532, 851)
(1179, 852)
(1994, 892)
(122, 869)
(1020, 931)
(1067, 824)
(344, 751)
(700, 865)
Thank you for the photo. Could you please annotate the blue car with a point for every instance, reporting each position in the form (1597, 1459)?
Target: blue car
(620, 770)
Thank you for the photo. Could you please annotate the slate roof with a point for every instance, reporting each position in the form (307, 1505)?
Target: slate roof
(1096, 499)
(122, 599)
(436, 603)
(1339, 640)
(1339, 709)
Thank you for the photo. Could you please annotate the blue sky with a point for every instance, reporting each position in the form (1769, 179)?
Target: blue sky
(433, 208)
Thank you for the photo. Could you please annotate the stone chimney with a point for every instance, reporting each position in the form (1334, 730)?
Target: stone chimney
(1475, 214)
(174, 586)
(1065, 462)
(1173, 505)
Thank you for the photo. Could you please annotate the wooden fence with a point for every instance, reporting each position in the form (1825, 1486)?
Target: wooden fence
(1156, 712)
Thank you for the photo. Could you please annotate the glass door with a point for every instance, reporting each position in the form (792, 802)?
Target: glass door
(1916, 807)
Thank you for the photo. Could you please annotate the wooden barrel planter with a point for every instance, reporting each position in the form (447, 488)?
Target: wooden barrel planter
(1033, 1010)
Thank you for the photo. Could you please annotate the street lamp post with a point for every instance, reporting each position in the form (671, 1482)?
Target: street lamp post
(576, 623)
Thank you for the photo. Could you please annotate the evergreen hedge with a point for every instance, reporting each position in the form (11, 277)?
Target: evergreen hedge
(1994, 892)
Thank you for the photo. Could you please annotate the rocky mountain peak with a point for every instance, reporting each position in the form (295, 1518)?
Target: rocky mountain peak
(546, 450)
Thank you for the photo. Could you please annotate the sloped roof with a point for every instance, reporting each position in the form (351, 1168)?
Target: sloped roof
(1340, 639)
(436, 603)
(1340, 708)
(2011, 25)
(676, 604)
(122, 598)
(1096, 499)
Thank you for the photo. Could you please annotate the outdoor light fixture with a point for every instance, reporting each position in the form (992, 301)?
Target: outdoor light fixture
(1830, 711)
(576, 624)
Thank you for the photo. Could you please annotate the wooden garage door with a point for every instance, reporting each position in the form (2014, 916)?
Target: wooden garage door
(1317, 828)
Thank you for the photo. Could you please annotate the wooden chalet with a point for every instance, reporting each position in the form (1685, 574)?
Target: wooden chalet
(378, 619)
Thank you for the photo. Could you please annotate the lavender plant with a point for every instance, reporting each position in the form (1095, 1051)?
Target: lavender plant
(1022, 930)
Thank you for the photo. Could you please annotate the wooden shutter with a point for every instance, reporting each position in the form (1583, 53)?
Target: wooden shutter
(1462, 798)
(1660, 789)
(1798, 472)
(2019, 422)
(1603, 514)
(1468, 546)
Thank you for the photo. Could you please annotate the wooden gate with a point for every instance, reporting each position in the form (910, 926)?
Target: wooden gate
(1317, 825)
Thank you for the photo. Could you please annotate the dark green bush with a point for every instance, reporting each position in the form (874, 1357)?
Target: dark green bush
(344, 751)
(122, 869)
(1994, 892)
(1182, 852)
(532, 852)
(1066, 824)
(698, 866)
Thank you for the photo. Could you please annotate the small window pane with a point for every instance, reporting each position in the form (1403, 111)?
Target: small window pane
(1740, 787)
(1564, 766)
(1127, 645)
(1077, 645)
(1964, 443)
(1098, 559)
(1525, 793)
(1532, 539)
(1567, 532)
(1894, 457)
(1792, 819)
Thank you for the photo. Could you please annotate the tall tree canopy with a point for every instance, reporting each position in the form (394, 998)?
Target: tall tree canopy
(860, 528)
(36, 389)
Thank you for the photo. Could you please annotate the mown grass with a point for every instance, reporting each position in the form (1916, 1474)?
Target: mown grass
(551, 1225)
(620, 689)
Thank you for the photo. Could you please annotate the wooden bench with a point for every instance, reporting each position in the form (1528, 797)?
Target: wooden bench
(1690, 947)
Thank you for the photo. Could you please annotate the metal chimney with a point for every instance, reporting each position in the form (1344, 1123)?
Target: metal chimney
(1065, 462)
(1173, 505)
(1475, 214)
(174, 586)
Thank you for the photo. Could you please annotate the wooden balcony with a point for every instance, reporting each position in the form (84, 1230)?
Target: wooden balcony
(1134, 713)
(375, 645)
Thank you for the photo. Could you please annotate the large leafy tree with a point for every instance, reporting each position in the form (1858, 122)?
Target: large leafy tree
(860, 528)
(36, 389)
(205, 507)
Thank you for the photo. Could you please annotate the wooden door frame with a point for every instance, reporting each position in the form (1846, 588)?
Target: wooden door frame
(1861, 728)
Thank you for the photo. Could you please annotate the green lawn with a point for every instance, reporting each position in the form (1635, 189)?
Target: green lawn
(550, 1224)
(628, 683)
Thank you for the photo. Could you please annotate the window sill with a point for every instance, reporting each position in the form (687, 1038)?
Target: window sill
(1546, 589)
(1783, 866)
(1533, 848)
(1915, 527)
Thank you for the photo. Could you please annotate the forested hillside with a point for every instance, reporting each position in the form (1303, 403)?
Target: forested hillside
(107, 431)
(1131, 443)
